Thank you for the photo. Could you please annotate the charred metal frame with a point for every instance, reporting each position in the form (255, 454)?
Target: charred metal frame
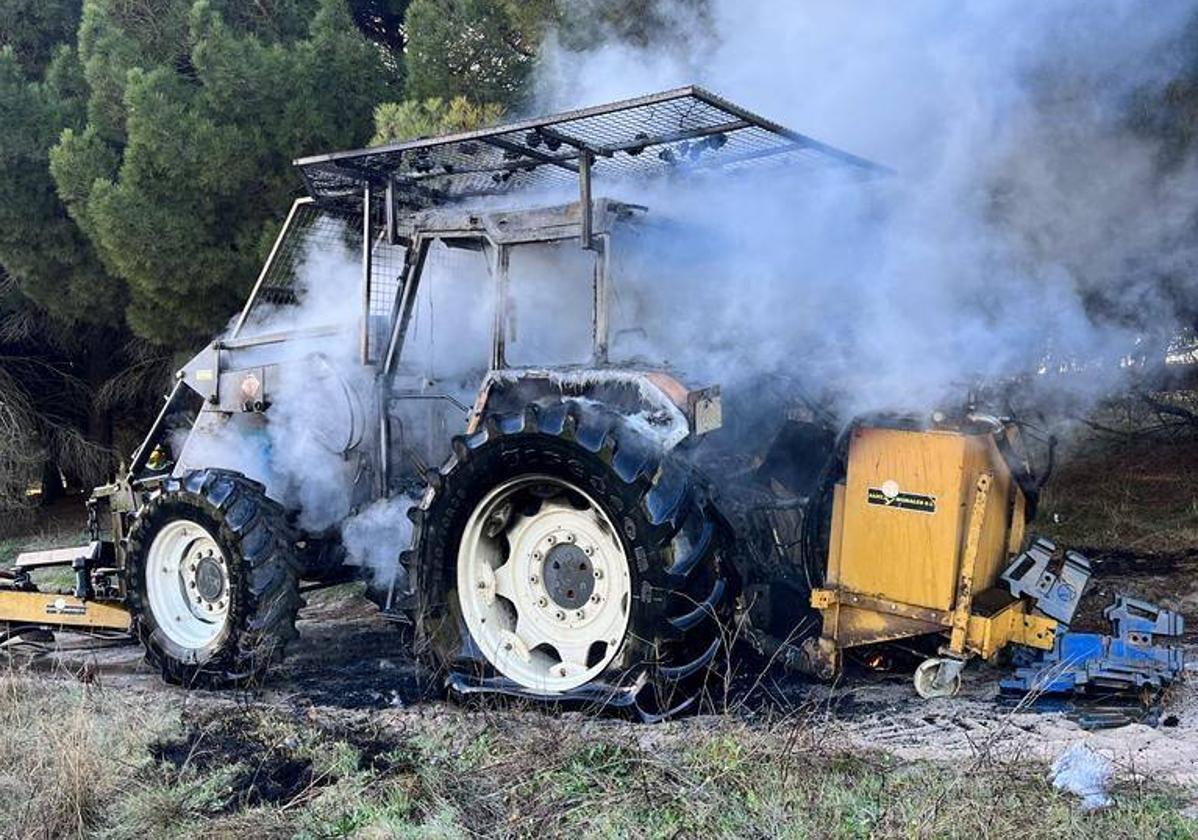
(269, 264)
(574, 142)
(498, 250)
(685, 129)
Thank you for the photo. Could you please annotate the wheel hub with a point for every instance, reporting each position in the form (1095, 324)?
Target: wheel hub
(210, 579)
(569, 576)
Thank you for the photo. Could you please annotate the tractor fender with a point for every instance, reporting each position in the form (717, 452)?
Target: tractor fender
(655, 403)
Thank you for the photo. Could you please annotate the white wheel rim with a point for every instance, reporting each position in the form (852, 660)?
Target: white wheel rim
(927, 681)
(187, 584)
(548, 627)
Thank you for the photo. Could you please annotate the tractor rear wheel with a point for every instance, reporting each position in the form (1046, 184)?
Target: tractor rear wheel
(560, 555)
(212, 579)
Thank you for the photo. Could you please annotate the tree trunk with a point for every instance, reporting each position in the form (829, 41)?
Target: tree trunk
(52, 486)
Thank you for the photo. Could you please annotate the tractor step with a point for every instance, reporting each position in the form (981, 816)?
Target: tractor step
(54, 556)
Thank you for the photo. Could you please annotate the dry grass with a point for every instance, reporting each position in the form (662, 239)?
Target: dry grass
(65, 750)
(1138, 496)
(91, 763)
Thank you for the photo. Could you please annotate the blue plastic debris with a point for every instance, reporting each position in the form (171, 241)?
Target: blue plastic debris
(1128, 660)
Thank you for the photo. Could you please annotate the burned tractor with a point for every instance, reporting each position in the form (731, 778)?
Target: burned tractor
(570, 537)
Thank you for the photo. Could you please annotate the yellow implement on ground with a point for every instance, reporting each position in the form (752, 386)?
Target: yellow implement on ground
(922, 526)
(24, 606)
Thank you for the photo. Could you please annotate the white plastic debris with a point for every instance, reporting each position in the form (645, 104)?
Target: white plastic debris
(1083, 772)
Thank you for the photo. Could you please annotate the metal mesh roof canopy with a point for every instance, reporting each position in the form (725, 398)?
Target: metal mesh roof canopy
(683, 129)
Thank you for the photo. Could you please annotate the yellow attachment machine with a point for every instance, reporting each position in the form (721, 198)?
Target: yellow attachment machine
(23, 605)
(923, 524)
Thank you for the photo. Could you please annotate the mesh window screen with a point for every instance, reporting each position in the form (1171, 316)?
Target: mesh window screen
(386, 270)
(314, 232)
(324, 246)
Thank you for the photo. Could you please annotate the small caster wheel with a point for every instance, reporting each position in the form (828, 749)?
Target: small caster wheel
(938, 678)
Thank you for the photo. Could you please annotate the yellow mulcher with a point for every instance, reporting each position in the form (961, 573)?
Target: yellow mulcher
(923, 524)
(95, 604)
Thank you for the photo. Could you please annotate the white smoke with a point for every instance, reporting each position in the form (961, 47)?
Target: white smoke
(1023, 198)
(304, 448)
(373, 536)
(1029, 228)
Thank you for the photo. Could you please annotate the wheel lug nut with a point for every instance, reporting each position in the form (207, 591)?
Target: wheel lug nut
(580, 614)
(551, 539)
(560, 616)
(595, 599)
(542, 602)
(507, 645)
(533, 579)
(482, 584)
(588, 550)
(569, 538)
(598, 574)
(536, 555)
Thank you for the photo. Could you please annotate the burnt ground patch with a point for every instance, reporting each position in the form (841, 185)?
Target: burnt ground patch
(259, 771)
(359, 663)
(264, 756)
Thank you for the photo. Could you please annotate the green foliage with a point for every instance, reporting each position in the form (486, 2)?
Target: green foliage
(472, 48)
(40, 247)
(115, 37)
(145, 159)
(394, 121)
(34, 28)
(193, 118)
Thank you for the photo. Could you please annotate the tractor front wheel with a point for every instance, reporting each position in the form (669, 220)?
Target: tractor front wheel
(212, 579)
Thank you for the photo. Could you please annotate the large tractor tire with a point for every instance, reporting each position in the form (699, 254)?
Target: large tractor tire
(560, 556)
(213, 582)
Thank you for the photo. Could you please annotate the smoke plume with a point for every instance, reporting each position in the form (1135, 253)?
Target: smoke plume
(1032, 226)
(1032, 229)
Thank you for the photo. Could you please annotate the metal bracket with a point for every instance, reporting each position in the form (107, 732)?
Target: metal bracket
(585, 159)
(1028, 574)
(963, 605)
(1055, 595)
